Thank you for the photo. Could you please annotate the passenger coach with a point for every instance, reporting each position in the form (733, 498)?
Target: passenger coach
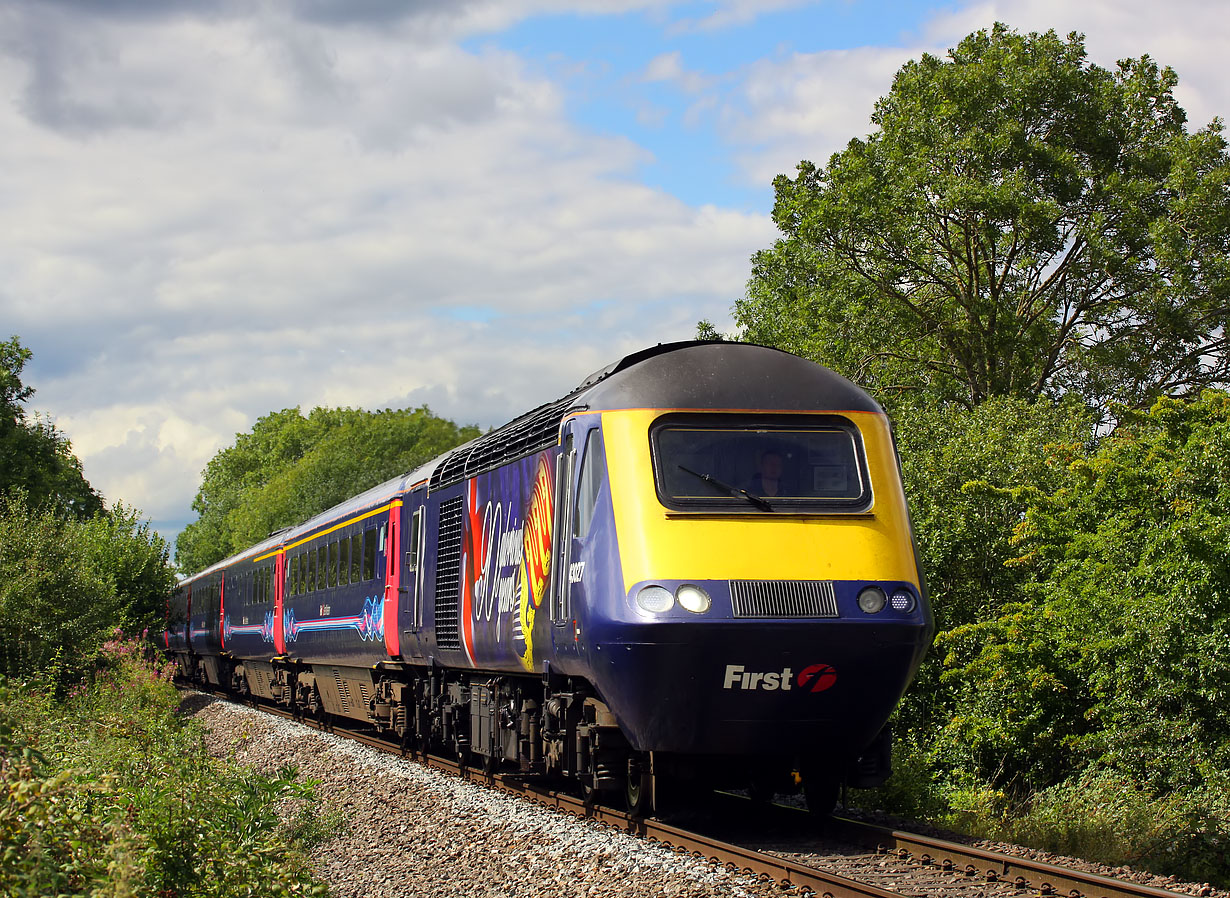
(697, 567)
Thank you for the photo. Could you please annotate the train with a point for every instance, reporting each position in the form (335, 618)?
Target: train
(695, 570)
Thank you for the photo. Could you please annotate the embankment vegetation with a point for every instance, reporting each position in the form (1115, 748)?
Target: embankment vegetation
(105, 789)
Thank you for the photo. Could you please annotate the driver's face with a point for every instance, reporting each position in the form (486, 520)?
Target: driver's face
(771, 466)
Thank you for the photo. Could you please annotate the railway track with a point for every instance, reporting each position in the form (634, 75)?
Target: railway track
(935, 866)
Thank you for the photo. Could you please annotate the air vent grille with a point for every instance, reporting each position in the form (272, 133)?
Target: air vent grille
(783, 598)
(343, 690)
(532, 432)
(448, 575)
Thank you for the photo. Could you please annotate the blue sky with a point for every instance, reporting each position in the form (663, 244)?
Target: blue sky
(603, 65)
(213, 209)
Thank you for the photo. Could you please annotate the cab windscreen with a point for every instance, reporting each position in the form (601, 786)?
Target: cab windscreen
(786, 464)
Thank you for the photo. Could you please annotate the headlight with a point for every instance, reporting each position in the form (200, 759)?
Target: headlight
(655, 599)
(693, 598)
(872, 599)
(902, 600)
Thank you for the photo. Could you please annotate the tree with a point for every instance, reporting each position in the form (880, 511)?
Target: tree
(1021, 223)
(35, 458)
(290, 467)
(1116, 657)
(66, 585)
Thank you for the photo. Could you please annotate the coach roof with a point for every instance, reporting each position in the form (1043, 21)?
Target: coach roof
(721, 376)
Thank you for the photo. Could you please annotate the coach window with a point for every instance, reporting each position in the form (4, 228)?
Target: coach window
(333, 563)
(593, 466)
(322, 566)
(356, 557)
(343, 562)
(412, 552)
(369, 554)
(301, 566)
(311, 584)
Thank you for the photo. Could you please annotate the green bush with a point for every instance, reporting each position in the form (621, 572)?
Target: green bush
(65, 584)
(110, 793)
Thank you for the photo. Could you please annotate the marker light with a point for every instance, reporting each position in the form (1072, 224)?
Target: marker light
(693, 598)
(872, 599)
(655, 599)
(902, 600)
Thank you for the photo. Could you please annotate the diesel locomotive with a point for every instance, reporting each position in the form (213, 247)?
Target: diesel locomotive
(697, 567)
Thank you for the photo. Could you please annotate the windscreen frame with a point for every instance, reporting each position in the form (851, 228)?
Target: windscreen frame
(783, 423)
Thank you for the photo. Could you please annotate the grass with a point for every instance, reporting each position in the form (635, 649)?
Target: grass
(1100, 815)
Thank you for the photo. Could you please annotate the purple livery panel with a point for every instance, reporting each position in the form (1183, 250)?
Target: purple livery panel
(506, 564)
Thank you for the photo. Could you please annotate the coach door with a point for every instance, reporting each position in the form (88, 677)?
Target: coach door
(564, 628)
(412, 579)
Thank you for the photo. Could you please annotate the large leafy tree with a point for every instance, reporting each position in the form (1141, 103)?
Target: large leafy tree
(1020, 223)
(35, 458)
(291, 466)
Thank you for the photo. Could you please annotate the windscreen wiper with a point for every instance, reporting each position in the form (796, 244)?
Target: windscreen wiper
(738, 492)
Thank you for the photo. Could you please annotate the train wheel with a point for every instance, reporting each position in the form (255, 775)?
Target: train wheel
(821, 792)
(638, 793)
(762, 788)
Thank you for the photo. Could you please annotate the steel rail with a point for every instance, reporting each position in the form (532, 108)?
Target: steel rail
(1039, 877)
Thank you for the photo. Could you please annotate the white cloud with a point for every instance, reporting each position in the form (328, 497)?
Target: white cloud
(664, 67)
(732, 13)
(669, 68)
(809, 105)
(806, 106)
(1190, 36)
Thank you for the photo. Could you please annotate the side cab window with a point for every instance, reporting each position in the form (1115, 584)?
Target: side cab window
(593, 473)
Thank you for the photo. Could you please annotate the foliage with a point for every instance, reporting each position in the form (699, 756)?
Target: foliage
(1021, 223)
(290, 467)
(35, 458)
(112, 794)
(135, 560)
(959, 467)
(1121, 646)
(64, 584)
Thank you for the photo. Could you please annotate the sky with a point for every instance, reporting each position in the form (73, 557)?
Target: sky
(213, 209)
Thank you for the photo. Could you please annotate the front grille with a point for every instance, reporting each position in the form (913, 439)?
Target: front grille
(448, 574)
(783, 598)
